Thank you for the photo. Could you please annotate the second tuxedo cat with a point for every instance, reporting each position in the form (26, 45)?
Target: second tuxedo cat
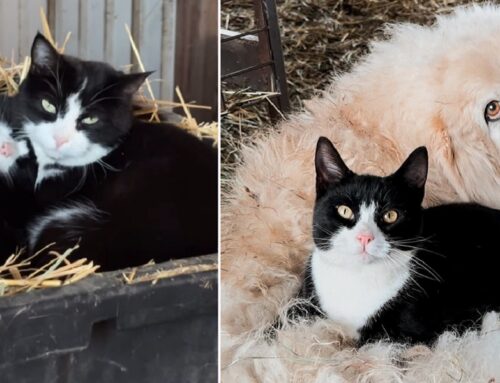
(383, 267)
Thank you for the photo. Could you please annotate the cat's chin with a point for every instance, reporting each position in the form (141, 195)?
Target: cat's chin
(91, 154)
(367, 258)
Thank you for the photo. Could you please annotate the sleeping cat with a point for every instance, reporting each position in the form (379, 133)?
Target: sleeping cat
(127, 191)
(383, 267)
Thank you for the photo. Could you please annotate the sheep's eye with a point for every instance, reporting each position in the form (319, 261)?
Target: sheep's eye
(90, 120)
(49, 108)
(492, 112)
(345, 212)
(391, 216)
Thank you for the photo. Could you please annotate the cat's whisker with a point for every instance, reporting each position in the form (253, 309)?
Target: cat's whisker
(102, 99)
(101, 91)
(81, 181)
(420, 263)
(107, 166)
(411, 274)
(417, 248)
(326, 231)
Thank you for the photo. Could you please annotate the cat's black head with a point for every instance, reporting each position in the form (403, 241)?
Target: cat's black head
(73, 111)
(363, 215)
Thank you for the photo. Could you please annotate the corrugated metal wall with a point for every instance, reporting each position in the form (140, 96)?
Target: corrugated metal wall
(176, 38)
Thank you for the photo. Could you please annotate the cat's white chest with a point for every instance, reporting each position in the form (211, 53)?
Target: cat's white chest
(350, 296)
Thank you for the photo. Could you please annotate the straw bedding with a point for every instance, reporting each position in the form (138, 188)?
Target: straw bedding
(375, 115)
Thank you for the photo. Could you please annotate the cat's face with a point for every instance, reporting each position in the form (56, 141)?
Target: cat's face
(74, 112)
(361, 219)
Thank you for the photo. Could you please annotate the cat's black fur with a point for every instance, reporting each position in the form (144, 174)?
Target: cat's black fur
(160, 203)
(457, 242)
(461, 249)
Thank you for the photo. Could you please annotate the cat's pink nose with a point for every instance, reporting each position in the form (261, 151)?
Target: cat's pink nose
(60, 141)
(6, 149)
(365, 239)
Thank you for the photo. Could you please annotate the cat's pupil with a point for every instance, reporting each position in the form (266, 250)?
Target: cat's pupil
(391, 216)
(345, 212)
(48, 106)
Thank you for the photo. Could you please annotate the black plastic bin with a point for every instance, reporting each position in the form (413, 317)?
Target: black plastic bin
(104, 330)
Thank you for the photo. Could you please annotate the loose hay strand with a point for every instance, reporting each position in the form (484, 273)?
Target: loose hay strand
(154, 116)
(162, 274)
(16, 275)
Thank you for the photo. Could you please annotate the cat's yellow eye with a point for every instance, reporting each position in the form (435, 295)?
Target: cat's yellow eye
(90, 120)
(49, 108)
(345, 212)
(391, 216)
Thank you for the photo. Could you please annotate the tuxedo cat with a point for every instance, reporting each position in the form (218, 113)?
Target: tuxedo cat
(73, 112)
(383, 267)
(126, 190)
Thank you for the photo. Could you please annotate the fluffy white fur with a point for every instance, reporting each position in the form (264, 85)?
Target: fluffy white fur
(424, 86)
(77, 149)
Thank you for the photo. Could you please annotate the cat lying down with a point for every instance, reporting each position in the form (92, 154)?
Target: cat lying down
(425, 86)
(79, 168)
(384, 268)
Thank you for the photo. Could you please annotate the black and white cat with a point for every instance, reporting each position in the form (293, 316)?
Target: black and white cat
(127, 191)
(73, 112)
(383, 267)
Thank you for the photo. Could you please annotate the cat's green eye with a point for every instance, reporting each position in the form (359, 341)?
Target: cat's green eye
(90, 120)
(391, 216)
(345, 212)
(49, 108)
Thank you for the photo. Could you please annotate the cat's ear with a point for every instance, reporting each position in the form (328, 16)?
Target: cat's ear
(132, 82)
(330, 168)
(43, 54)
(414, 169)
